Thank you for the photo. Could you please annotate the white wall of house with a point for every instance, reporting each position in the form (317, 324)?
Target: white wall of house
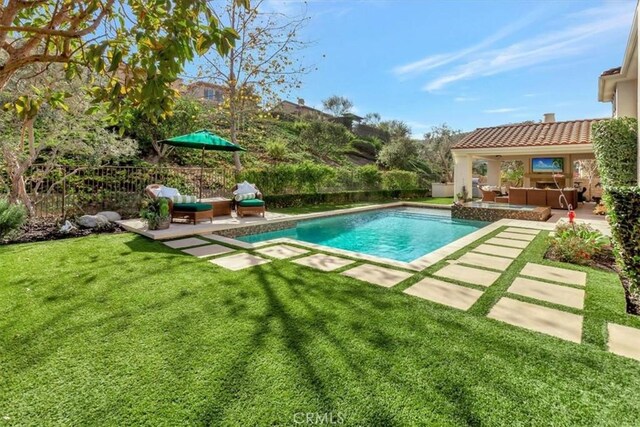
(626, 99)
(463, 172)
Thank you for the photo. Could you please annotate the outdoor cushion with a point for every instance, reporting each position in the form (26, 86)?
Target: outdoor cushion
(192, 207)
(184, 199)
(245, 187)
(168, 192)
(251, 203)
(247, 196)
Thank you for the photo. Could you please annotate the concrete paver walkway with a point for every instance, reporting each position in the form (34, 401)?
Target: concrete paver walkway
(471, 275)
(444, 293)
(522, 230)
(282, 251)
(555, 274)
(567, 326)
(323, 262)
(486, 261)
(377, 275)
(185, 243)
(498, 250)
(521, 244)
(515, 236)
(207, 250)
(556, 294)
(239, 261)
(624, 341)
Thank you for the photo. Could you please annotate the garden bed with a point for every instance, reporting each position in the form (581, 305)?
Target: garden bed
(42, 229)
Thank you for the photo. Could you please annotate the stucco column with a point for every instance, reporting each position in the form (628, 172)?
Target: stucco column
(462, 173)
(493, 172)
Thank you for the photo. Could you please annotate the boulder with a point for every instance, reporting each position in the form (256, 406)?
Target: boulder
(92, 221)
(111, 215)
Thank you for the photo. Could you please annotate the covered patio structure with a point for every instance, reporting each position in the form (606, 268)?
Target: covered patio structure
(545, 149)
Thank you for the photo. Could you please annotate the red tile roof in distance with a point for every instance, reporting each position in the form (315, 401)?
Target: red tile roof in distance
(530, 135)
(611, 71)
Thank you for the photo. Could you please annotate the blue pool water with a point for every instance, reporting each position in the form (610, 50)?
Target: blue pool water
(403, 234)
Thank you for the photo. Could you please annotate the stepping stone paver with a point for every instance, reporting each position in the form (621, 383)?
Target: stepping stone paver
(522, 230)
(377, 275)
(567, 326)
(208, 250)
(185, 243)
(444, 293)
(498, 250)
(468, 274)
(282, 251)
(555, 274)
(556, 294)
(515, 236)
(521, 244)
(323, 262)
(486, 261)
(239, 261)
(624, 340)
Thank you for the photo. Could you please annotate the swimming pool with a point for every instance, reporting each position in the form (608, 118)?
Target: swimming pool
(401, 234)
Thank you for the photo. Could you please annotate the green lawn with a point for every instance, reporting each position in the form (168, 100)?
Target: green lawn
(119, 330)
(322, 207)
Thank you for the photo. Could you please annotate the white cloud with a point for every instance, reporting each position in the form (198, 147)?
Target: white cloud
(501, 110)
(465, 99)
(579, 32)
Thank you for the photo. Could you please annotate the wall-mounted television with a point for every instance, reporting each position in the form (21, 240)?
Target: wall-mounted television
(547, 164)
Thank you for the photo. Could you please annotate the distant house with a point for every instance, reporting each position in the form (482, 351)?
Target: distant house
(203, 91)
(620, 85)
(299, 110)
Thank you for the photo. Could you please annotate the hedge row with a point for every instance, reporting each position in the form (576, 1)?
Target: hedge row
(309, 177)
(624, 217)
(299, 200)
(615, 144)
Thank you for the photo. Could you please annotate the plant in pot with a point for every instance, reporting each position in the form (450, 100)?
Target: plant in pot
(155, 212)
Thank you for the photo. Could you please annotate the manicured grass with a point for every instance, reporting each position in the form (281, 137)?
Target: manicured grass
(334, 206)
(119, 330)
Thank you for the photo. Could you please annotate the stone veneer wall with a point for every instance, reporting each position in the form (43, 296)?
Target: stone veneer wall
(491, 215)
(263, 227)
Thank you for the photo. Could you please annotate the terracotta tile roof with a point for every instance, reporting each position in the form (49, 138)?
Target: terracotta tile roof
(526, 135)
(611, 71)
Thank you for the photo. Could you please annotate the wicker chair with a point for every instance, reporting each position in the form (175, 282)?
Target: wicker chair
(192, 212)
(250, 206)
(488, 195)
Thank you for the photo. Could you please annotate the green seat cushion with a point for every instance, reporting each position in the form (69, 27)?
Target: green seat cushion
(191, 207)
(249, 203)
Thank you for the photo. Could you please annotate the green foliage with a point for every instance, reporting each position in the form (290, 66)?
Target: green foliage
(436, 151)
(12, 217)
(276, 150)
(337, 105)
(397, 129)
(512, 172)
(367, 148)
(320, 136)
(278, 201)
(399, 154)
(576, 243)
(155, 212)
(624, 217)
(369, 176)
(306, 176)
(615, 143)
(399, 180)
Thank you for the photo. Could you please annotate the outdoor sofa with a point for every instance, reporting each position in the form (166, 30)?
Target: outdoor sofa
(190, 210)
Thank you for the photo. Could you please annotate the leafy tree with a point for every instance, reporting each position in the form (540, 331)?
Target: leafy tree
(138, 46)
(262, 64)
(512, 173)
(396, 128)
(372, 119)
(437, 150)
(337, 105)
(401, 153)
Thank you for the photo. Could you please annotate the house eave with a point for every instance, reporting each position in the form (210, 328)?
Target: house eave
(526, 150)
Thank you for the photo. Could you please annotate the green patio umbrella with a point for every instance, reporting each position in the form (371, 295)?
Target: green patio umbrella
(203, 140)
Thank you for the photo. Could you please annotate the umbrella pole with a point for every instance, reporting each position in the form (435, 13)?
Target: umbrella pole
(201, 169)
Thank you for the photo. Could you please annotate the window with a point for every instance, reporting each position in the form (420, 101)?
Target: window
(209, 94)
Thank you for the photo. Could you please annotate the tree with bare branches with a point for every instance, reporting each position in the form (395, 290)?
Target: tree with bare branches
(261, 66)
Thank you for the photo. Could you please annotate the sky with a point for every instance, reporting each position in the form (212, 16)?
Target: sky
(468, 64)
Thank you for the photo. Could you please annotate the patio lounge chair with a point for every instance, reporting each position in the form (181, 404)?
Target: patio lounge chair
(193, 211)
(488, 195)
(249, 206)
(517, 196)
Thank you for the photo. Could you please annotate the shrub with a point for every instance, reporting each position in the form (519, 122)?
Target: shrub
(615, 143)
(311, 176)
(298, 200)
(304, 177)
(369, 176)
(399, 154)
(12, 217)
(320, 135)
(576, 244)
(276, 150)
(399, 180)
(624, 216)
(364, 147)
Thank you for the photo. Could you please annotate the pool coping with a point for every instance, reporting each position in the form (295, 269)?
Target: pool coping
(418, 264)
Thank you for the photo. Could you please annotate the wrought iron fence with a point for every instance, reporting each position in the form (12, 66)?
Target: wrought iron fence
(66, 191)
